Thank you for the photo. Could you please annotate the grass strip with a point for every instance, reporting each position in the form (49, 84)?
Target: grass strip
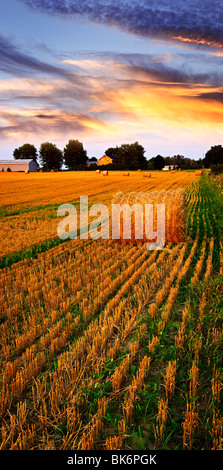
(31, 252)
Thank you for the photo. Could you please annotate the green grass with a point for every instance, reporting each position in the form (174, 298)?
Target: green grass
(141, 431)
(8, 211)
(31, 252)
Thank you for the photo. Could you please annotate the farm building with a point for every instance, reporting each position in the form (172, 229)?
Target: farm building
(170, 167)
(18, 165)
(105, 160)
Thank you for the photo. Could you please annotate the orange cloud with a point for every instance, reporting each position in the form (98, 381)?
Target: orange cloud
(217, 54)
(173, 104)
(47, 125)
(204, 42)
(126, 101)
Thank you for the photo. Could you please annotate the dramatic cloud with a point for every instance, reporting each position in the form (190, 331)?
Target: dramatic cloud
(188, 21)
(156, 69)
(68, 89)
(212, 96)
(20, 123)
(142, 90)
(19, 64)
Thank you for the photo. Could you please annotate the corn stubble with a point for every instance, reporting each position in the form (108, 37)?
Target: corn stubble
(76, 326)
(190, 425)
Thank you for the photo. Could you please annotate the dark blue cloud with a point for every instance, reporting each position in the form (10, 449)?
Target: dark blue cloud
(140, 67)
(193, 19)
(212, 96)
(46, 116)
(14, 61)
(156, 69)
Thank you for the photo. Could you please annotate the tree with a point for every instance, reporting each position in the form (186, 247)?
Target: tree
(158, 162)
(216, 169)
(74, 155)
(178, 160)
(214, 156)
(26, 151)
(131, 157)
(112, 152)
(50, 156)
(168, 160)
(150, 165)
(186, 164)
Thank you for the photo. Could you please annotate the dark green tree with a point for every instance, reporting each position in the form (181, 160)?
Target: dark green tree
(178, 160)
(158, 162)
(50, 156)
(214, 156)
(168, 160)
(150, 165)
(26, 151)
(216, 169)
(186, 164)
(112, 152)
(74, 155)
(131, 157)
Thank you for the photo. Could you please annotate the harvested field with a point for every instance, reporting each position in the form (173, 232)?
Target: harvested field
(108, 345)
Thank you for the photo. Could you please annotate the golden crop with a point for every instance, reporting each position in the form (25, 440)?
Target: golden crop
(29, 202)
(91, 329)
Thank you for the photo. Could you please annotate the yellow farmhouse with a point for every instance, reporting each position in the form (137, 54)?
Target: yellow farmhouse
(105, 160)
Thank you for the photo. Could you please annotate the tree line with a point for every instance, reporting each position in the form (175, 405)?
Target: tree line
(52, 158)
(124, 157)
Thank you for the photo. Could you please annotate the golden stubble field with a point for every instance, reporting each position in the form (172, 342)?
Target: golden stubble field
(33, 189)
(30, 201)
(108, 345)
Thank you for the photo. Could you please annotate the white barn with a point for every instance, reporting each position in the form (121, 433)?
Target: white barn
(18, 165)
(170, 167)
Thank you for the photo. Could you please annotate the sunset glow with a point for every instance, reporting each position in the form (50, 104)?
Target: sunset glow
(108, 81)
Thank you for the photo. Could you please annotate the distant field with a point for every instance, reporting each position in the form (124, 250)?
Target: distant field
(29, 202)
(106, 345)
(20, 190)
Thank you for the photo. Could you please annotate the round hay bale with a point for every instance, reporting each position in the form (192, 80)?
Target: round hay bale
(146, 175)
(175, 213)
(40, 171)
(125, 174)
(98, 171)
(26, 172)
(105, 173)
(51, 171)
(199, 173)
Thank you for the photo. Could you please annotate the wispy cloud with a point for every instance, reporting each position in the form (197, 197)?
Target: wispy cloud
(189, 21)
(20, 123)
(216, 96)
(167, 70)
(15, 62)
(115, 94)
(132, 88)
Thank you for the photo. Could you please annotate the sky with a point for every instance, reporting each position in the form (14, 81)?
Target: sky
(108, 72)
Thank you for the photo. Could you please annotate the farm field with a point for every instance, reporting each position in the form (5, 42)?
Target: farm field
(107, 345)
(28, 203)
